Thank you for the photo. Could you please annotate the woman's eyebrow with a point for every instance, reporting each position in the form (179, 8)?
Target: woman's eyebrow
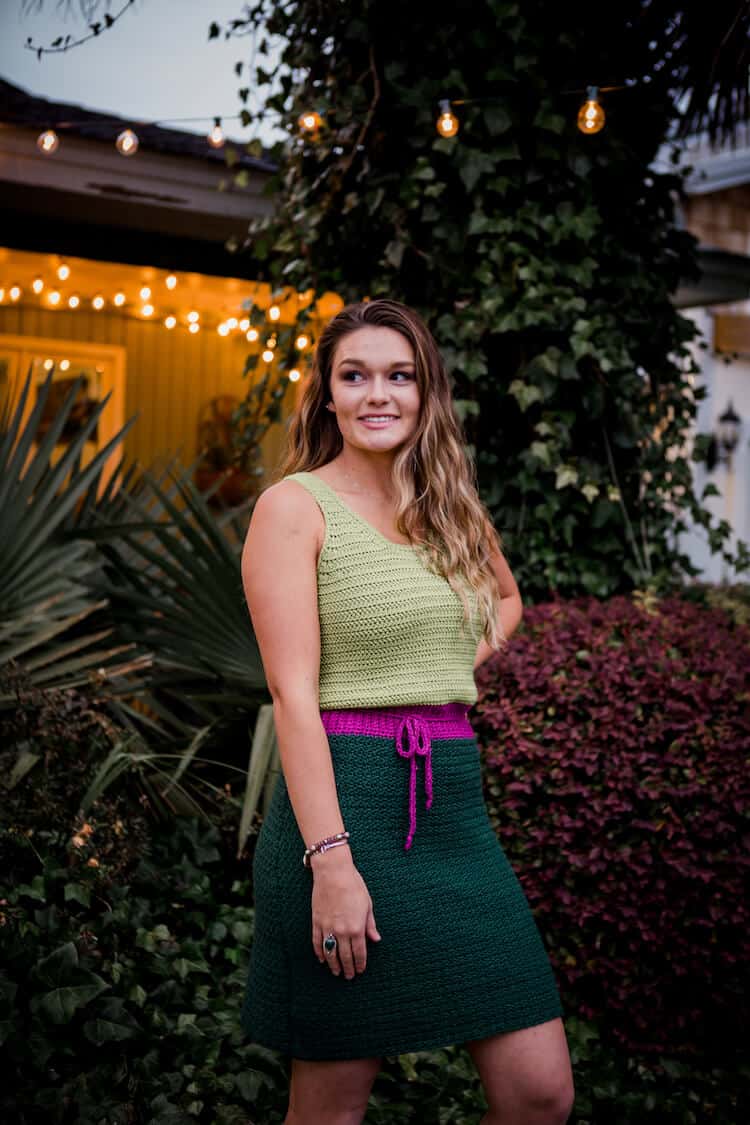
(361, 362)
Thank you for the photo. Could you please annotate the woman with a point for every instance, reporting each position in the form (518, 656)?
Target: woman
(387, 916)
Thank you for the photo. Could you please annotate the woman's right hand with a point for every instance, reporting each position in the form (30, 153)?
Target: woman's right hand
(341, 905)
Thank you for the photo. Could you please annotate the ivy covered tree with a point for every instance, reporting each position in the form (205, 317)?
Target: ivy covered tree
(544, 260)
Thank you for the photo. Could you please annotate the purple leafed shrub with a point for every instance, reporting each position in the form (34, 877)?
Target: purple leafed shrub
(616, 746)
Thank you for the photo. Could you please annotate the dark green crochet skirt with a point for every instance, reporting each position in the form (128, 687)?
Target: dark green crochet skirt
(460, 957)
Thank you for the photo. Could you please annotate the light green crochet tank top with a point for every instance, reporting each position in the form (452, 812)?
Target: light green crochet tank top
(390, 629)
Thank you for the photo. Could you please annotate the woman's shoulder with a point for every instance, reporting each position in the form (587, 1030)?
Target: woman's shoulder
(289, 509)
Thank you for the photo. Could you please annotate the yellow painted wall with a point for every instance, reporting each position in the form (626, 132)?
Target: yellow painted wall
(169, 375)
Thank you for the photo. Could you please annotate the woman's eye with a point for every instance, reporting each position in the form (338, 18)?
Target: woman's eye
(351, 374)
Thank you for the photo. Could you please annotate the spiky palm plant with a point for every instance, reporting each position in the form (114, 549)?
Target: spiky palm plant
(45, 592)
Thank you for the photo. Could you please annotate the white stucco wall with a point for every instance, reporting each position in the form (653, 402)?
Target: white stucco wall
(723, 382)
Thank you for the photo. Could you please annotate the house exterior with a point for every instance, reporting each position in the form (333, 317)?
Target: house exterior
(117, 268)
(717, 212)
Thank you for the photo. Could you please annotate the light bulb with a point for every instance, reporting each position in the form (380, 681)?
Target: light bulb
(145, 293)
(194, 327)
(274, 312)
(216, 137)
(267, 356)
(64, 364)
(127, 143)
(244, 324)
(63, 272)
(223, 329)
(37, 285)
(53, 297)
(294, 375)
(232, 322)
(591, 116)
(2, 294)
(301, 342)
(14, 292)
(193, 316)
(98, 302)
(170, 322)
(252, 335)
(119, 299)
(310, 121)
(48, 142)
(147, 310)
(447, 122)
(171, 281)
(74, 301)
(49, 364)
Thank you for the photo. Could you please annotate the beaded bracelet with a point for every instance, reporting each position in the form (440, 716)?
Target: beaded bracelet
(324, 845)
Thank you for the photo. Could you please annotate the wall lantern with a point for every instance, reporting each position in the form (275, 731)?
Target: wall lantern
(724, 439)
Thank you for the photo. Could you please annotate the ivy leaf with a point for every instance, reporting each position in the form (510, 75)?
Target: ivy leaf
(69, 985)
(497, 119)
(112, 1023)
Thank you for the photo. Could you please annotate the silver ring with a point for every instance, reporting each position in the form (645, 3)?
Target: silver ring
(329, 944)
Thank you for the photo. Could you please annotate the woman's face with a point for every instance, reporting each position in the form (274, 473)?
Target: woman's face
(374, 388)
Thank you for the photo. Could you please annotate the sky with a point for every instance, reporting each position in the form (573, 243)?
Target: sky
(156, 62)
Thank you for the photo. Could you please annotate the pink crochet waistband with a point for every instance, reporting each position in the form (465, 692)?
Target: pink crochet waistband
(413, 728)
(444, 720)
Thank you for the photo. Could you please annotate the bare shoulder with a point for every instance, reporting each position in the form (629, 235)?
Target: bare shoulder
(285, 513)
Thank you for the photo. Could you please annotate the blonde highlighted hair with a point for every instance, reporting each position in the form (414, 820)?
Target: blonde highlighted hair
(434, 479)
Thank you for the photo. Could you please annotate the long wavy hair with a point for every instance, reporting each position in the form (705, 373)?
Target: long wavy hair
(437, 503)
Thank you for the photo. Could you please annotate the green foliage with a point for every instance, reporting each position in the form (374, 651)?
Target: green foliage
(544, 261)
(44, 574)
(121, 1000)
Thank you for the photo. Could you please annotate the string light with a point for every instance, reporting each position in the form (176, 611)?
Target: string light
(244, 324)
(54, 297)
(48, 142)
(145, 293)
(49, 364)
(170, 322)
(294, 375)
(37, 285)
(63, 272)
(171, 281)
(118, 299)
(310, 121)
(268, 356)
(98, 302)
(447, 122)
(193, 316)
(74, 301)
(15, 292)
(591, 116)
(216, 137)
(301, 342)
(2, 295)
(64, 364)
(147, 310)
(223, 329)
(127, 143)
(232, 322)
(274, 312)
(252, 335)
(194, 327)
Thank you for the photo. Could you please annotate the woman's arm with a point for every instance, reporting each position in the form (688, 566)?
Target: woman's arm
(279, 560)
(511, 606)
(279, 574)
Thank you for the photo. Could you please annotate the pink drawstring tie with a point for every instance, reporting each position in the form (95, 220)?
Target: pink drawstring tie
(417, 742)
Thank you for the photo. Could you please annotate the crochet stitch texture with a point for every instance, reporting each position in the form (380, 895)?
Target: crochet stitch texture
(390, 629)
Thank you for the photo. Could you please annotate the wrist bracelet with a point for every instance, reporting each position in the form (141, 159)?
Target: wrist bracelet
(323, 846)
